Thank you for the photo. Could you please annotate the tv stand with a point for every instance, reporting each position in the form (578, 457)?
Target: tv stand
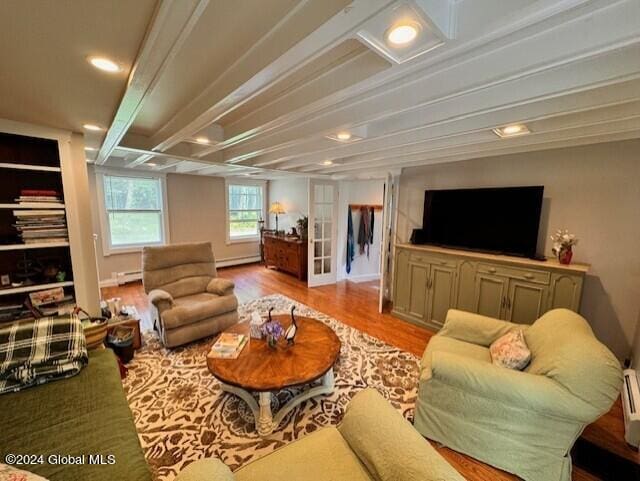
(430, 280)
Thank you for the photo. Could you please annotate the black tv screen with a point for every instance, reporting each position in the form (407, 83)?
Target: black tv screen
(498, 220)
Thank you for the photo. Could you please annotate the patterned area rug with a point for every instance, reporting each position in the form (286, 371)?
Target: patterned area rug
(182, 415)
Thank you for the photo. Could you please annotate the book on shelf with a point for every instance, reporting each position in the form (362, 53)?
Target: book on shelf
(39, 193)
(228, 346)
(38, 213)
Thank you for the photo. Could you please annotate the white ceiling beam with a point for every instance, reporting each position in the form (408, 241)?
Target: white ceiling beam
(195, 117)
(564, 43)
(172, 23)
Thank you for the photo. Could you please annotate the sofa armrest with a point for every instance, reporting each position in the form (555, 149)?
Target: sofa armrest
(161, 299)
(208, 469)
(388, 445)
(474, 328)
(507, 386)
(220, 286)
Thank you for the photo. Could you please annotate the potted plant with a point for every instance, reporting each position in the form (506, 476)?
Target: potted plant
(303, 226)
(563, 243)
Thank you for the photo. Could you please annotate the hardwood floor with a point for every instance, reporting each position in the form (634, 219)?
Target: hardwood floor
(355, 304)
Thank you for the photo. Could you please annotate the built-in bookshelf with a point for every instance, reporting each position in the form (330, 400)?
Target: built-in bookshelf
(34, 246)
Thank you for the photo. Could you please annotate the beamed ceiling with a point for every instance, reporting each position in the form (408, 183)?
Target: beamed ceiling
(268, 81)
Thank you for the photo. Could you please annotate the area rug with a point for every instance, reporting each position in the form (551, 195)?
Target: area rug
(182, 415)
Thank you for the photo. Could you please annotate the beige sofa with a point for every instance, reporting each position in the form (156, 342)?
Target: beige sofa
(373, 443)
(189, 300)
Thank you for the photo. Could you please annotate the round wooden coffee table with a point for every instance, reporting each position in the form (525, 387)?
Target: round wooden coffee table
(264, 370)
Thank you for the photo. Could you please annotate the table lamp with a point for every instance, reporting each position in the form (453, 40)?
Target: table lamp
(276, 208)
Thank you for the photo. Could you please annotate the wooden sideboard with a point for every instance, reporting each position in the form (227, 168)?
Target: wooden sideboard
(285, 254)
(428, 281)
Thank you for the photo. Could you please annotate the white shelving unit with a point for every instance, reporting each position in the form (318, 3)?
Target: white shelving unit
(40, 245)
(41, 168)
(33, 287)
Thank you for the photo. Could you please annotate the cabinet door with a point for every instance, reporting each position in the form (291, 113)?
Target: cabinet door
(419, 278)
(491, 292)
(401, 282)
(526, 301)
(441, 294)
(466, 286)
(565, 292)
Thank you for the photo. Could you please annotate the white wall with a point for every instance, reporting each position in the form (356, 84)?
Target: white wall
(594, 191)
(293, 194)
(196, 213)
(359, 192)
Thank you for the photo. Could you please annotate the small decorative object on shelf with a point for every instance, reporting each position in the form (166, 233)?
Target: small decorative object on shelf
(273, 331)
(255, 325)
(292, 330)
(563, 243)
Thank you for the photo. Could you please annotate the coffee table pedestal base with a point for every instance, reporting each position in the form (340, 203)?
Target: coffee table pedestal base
(266, 422)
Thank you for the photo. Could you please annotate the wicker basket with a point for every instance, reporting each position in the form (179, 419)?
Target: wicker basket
(96, 331)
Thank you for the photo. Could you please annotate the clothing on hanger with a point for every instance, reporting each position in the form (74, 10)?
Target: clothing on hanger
(365, 236)
(350, 242)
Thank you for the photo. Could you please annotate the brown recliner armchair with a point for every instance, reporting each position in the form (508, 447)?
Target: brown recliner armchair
(189, 300)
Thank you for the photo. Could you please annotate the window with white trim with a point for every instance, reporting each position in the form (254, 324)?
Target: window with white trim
(134, 210)
(245, 207)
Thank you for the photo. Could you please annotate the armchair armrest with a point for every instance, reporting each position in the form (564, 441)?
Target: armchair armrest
(474, 328)
(220, 286)
(160, 299)
(388, 445)
(529, 391)
(211, 469)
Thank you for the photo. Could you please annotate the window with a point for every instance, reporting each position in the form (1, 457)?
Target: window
(133, 211)
(245, 204)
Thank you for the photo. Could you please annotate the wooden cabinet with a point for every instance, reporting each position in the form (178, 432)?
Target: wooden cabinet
(288, 255)
(430, 280)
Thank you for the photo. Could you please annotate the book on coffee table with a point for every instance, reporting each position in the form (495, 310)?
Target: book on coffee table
(228, 346)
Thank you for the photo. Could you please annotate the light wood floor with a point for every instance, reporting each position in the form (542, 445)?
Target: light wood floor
(353, 304)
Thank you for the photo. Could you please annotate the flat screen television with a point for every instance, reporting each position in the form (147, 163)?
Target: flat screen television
(498, 220)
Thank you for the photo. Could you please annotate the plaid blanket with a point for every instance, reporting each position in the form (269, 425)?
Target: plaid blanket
(36, 352)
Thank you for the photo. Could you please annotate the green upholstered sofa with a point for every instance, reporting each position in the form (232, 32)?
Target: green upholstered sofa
(373, 442)
(87, 414)
(522, 422)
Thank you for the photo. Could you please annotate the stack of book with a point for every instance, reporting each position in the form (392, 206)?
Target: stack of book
(41, 226)
(228, 346)
(39, 198)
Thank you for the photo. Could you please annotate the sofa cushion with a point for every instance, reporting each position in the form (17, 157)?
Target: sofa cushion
(564, 348)
(85, 414)
(197, 307)
(11, 473)
(454, 346)
(321, 456)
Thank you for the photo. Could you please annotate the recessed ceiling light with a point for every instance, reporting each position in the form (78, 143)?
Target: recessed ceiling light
(327, 162)
(90, 149)
(511, 130)
(151, 164)
(104, 64)
(343, 135)
(402, 34)
(202, 140)
(94, 128)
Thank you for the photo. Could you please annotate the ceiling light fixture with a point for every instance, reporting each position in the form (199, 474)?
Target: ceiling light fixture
(202, 140)
(90, 149)
(343, 135)
(327, 162)
(511, 130)
(151, 164)
(92, 127)
(104, 64)
(402, 34)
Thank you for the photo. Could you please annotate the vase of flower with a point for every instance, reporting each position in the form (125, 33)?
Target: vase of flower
(272, 331)
(563, 243)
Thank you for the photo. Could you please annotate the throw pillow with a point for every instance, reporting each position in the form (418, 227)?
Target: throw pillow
(511, 351)
(9, 473)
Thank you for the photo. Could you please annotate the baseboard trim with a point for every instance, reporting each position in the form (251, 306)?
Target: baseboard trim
(228, 262)
(362, 278)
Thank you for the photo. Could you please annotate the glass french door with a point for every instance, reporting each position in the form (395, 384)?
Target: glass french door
(323, 214)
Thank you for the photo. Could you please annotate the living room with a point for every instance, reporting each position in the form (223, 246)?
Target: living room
(394, 239)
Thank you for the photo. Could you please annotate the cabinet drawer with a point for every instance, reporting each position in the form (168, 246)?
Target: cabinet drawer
(539, 277)
(419, 258)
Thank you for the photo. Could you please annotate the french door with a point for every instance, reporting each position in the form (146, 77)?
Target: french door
(389, 207)
(323, 215)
